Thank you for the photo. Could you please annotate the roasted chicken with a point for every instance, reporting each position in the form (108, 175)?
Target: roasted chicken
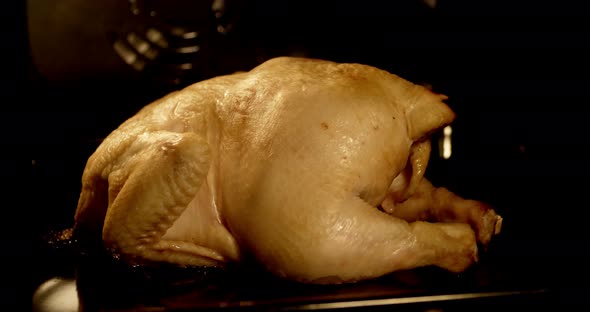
(314, 169)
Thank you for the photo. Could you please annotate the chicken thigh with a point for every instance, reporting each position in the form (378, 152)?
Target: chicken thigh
(310, 167)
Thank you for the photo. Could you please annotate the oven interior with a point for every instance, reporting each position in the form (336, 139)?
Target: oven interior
(515, 76)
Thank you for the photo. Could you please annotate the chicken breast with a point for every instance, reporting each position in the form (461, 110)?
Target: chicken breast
(310, 167)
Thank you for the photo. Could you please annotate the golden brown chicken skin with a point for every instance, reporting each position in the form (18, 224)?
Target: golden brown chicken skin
(313, 168)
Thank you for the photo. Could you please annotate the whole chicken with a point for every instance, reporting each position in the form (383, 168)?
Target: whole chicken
(312, 168)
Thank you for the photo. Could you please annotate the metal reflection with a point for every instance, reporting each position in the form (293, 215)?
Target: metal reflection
(56, 294)
(172, 40)
(407, 300)
(446, 149)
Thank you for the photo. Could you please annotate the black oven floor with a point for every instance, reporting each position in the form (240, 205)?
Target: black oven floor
(504, 279)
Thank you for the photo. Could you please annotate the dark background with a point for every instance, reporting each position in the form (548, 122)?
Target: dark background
(516, 73)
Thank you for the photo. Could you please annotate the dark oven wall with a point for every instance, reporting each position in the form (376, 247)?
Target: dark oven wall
(515, 75)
